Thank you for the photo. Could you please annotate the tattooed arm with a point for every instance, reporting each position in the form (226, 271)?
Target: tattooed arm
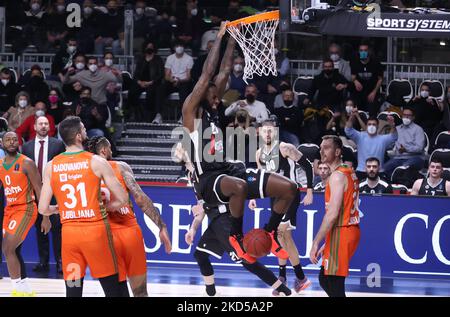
(145, 203)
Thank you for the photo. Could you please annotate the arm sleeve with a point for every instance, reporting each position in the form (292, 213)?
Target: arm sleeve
(307, 166)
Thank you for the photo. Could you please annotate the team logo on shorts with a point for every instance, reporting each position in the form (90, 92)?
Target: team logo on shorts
(63, 177)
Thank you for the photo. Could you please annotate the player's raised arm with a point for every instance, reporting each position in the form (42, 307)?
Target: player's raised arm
(145, 203)
(102, 169)
(225, 68)
(192, 102)
(337, 187)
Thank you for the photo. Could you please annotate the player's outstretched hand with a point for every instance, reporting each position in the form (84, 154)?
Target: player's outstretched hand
(164, 236)
(252, 204)
(308, 200)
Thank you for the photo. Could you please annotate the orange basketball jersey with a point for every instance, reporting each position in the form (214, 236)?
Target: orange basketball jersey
(76, 188)
(124, 216)
(18, 189)
(348, 214)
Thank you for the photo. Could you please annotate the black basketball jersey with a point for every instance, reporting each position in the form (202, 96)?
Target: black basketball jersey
(273, 161)
(428, 190)
(382, 187)
(207, 151)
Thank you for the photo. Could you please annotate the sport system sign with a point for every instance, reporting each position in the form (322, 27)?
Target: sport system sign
(387, 25)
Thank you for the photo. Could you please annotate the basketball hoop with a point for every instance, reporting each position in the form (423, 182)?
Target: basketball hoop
(256, 36)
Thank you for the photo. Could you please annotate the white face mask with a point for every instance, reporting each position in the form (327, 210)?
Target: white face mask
(60, 8)
(93, 68)
(23, 103)
(71, 49)
(194, 11)
(349, 109)
(5, 82)
(139, 11)
(108, 62)
(35, 6)
(179, 50)
(88, 10)
(406, 121)
(40, 113)
(335, 57)
(424, 93)
(79, 66)
(371, 129)
(238, 68)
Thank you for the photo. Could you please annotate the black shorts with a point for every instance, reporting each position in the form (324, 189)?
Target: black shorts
(290, 217)
(209, 184)
(214, 240)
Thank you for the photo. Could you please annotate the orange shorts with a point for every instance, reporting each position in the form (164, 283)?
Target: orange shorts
(129, 246)
(340, 245)
(18, 220)
(87, 244)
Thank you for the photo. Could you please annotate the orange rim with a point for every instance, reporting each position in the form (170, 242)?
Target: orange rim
(266, 16)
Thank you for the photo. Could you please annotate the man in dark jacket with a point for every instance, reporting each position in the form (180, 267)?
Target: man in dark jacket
(148, 74)
(8, 90)
(92, 115)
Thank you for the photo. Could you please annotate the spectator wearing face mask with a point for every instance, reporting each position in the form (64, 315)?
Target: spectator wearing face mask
(370, 143)
(190, 26)
(256, 109)
(8, 90)
(342, 66)
(408, 149)
(17, 114)
(279, 103)
(178, 72)
(56, 107)
(72, 92)
(108, 66)
(373, 184)
(290, 118)
(330, 86)
(111, 24)
(236, 81)
(34, 25)
(90, 22)
(367, 77)
(56, 22)
(92, 78)
(427, 110)
(64, 58)
(36, 87)
(27, 131)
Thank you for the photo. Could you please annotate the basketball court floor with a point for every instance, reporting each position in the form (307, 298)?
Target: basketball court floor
(167, 281)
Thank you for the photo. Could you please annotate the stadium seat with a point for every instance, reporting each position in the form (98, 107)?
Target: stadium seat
(427, 145)
(443, 140)
(127, 80)
(3, 124)
(383, 116)
(446, 174)
(363, 115)
(400, 88)
(405, 175)
(302, 85)
(350, 155)
(399, 189)
(310, 150)
(14, 75)
(437, 89)
(443, 155)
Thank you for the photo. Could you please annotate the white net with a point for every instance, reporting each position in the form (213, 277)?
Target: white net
(257, 43)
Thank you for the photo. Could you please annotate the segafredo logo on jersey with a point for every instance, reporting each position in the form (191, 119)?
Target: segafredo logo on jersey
(408, 25)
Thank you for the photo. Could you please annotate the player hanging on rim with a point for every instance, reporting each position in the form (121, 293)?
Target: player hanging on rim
(74, 177)
(215, 240)
(22, 183)
(128, 239)
(226, 182)
(284, 159)
(340, 225)
(433, 184)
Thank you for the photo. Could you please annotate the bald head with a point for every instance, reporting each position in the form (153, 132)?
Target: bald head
(42, 126)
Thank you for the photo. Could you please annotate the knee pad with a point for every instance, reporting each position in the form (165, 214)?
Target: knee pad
(204, 263)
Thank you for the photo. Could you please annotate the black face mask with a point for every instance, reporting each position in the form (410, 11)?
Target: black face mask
(85, 100)
(241, 119)
(288, 103)
(35, 80)
(149, 51)
(250, 98)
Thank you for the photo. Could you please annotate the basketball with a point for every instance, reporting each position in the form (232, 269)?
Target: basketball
(257, 243)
